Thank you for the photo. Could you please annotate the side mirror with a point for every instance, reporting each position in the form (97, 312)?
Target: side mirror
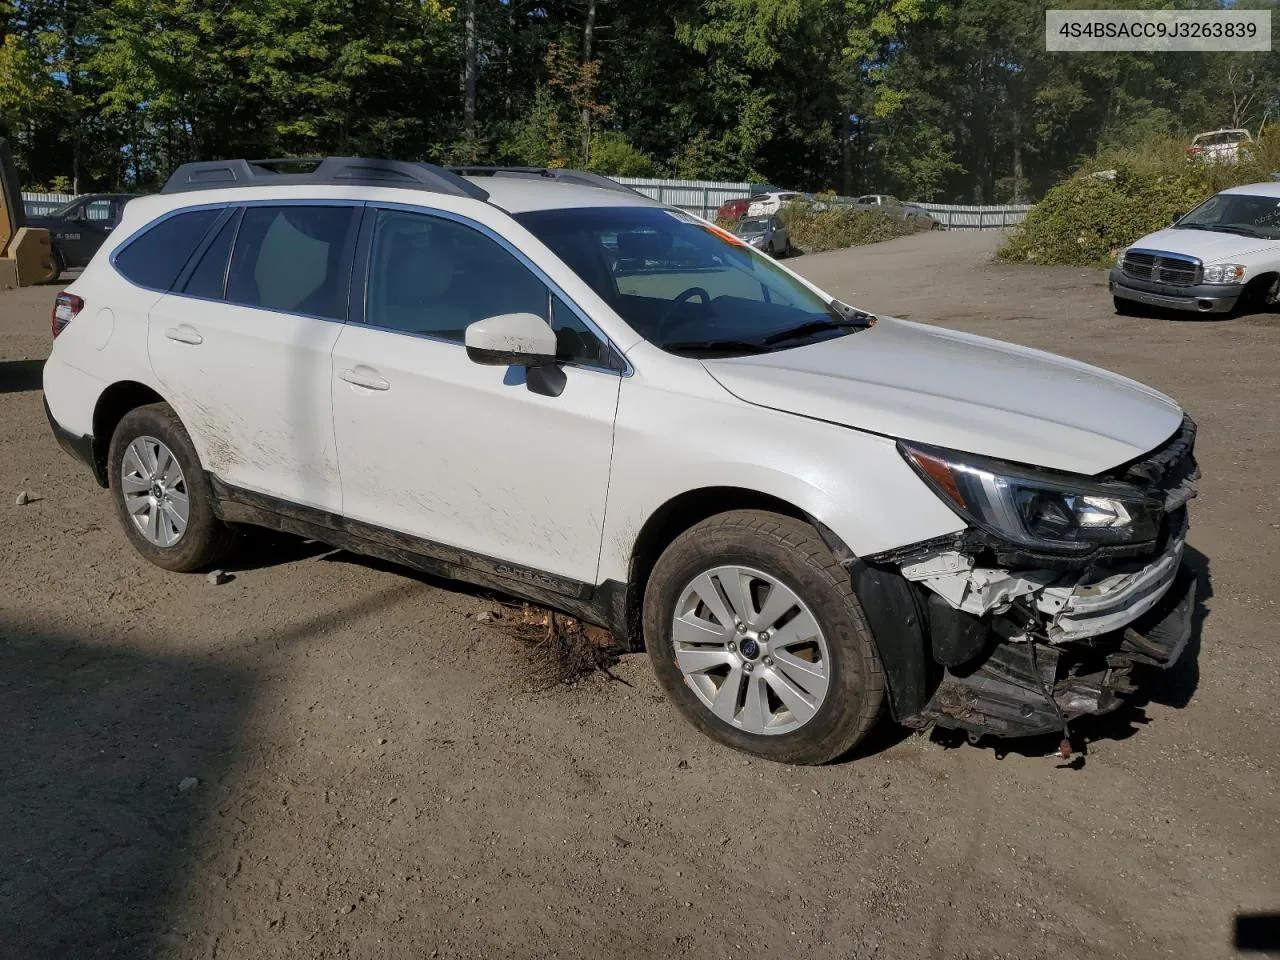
(1178, 216)
(511, 339)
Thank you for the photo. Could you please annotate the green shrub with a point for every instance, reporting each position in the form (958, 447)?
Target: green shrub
(814, 230)
(1125, 192)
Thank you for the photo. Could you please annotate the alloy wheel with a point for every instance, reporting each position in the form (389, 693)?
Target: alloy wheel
(751, 650)
(155, 491)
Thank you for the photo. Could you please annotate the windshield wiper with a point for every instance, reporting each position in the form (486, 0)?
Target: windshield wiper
(860, 322)
(727, 346)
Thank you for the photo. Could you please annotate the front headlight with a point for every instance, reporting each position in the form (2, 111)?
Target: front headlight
(1224, 273)
(1120, 256)
(1038, 509)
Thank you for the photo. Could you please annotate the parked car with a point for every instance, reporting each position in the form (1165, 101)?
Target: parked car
(1219, 146)
(876, 200)
(733, 210)
(766, 233)
(804, 512)
(1222, 255)
(77, 229)
(892, 206)
(41, 208)
(764, 204)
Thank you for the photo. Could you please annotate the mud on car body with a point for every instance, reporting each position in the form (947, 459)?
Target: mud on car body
(542, 382)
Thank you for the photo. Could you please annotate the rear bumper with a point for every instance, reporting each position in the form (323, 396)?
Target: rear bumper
(1201, 298)
(1004, 692)
(79, 447)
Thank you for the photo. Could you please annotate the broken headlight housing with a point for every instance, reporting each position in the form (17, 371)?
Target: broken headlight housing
(1037, 509)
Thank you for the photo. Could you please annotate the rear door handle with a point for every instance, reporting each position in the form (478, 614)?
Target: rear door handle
(365, 377)
(184, 334)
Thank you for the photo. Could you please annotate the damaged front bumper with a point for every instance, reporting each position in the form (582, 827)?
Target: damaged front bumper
(1024, 643)
(1070, 605)
(1030, 687)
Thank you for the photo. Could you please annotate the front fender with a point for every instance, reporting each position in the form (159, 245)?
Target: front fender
(668, 443)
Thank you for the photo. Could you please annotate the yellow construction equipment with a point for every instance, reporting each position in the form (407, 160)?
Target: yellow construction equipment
(25, 254)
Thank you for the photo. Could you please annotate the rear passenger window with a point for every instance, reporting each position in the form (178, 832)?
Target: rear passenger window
(432, 276)
(295, 259)
(155, 257)
(209, 279)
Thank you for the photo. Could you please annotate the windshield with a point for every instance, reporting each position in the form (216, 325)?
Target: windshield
(63, 210)
(752, 226)
(684, 285)
(1221, 138)
(1240, 213)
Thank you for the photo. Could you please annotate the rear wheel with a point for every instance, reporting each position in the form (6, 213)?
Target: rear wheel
(161, 492)
(755, 633)
(54, 268)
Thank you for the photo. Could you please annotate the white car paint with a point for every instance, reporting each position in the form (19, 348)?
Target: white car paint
(1206, 248)
(764, 204)
(1213, 247)
(933, 385)
(1219, 146)
(464, 455)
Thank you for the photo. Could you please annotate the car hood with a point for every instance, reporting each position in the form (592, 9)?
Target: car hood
(951, 389)
(1208, 246)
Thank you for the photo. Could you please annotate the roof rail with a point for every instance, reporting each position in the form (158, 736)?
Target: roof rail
(581, 177)
(314, 171)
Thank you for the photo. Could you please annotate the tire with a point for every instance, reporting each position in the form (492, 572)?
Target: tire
(1127, 308)
(792, 554)
(204, 538)
(1257, 296)
(56, 268)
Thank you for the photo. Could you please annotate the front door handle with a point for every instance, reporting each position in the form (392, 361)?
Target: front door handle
(184, 334)
(365, 377)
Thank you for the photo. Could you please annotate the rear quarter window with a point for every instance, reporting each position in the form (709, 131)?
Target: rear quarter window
(156, 256)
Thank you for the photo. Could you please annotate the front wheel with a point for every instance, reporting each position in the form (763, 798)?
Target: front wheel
(161, 492)
(1127, 308)
(755, 633)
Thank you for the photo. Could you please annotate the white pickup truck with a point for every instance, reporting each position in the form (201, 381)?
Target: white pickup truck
(1223, 255)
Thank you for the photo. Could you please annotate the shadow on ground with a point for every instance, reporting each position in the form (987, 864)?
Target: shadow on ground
(97, 829)
(99, 833)
(21, 376)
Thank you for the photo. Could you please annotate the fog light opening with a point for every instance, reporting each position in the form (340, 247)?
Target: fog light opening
(1204, 306)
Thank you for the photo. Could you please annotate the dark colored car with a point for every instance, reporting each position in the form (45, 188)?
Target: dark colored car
(733, 210)
(79, 228)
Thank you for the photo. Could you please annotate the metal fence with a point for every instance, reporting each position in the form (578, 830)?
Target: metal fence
(40, 204)
(704, 197)
(960, 217)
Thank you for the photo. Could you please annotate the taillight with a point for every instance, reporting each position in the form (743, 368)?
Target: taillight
(65, 309)
(1192, 151)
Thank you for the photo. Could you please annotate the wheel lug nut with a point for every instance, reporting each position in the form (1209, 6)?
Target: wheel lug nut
(733, 647)
(747, 667)
(764, 635)
(768, 661)
(739, 626)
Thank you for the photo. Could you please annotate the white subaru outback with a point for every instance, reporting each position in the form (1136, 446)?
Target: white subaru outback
(545, 383)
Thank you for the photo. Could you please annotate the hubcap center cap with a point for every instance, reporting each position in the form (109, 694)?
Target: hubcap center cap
(750, 649)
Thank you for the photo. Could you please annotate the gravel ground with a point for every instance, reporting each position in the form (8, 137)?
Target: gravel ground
(328, 757)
